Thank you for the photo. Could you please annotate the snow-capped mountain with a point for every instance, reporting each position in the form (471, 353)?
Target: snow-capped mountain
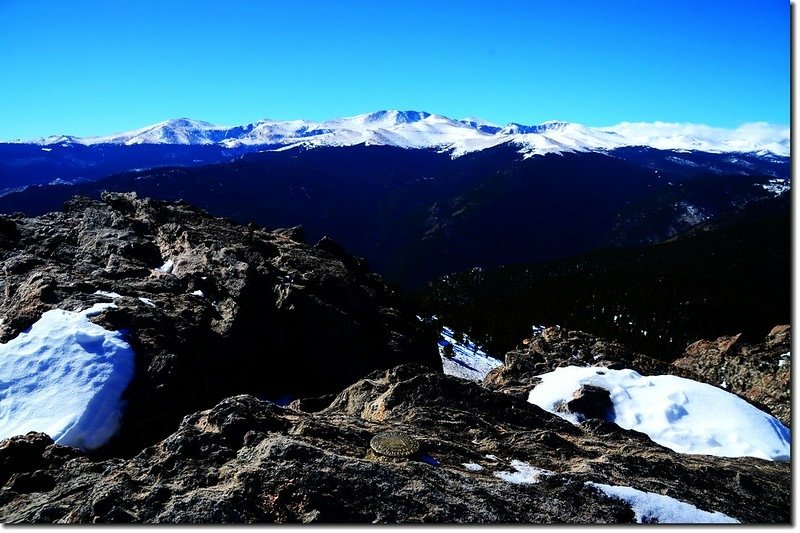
(182, 131)
(418, 129)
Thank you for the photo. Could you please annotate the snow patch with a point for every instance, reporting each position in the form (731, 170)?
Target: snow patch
(681, 414)
(523, 473)
(96, 309)
(65, 376)
(462, 358)
(147, 301)
(776, 186)
(538, 329)
(650, 507)
(473, 467)
(691, 214)
(166, 267)
(107, 294)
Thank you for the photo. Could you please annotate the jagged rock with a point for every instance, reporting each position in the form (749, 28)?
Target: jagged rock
(295, 233)
(233, 310)
(760, 372)
(247, 460)
(591, 402)
(555, 347)
(780, 335)
(25, 461)
(720, 346)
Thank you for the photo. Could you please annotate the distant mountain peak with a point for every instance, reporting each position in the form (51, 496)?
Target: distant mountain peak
(184, 122)
(476, 120)
(553, 125)
(513, 128)
(395, 116)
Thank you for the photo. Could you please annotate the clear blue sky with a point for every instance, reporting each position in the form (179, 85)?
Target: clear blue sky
(97, 67)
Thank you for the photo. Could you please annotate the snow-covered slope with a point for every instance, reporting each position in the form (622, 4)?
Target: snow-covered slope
(681, 414)
(463, 359)
(418, 129)
(176, 131)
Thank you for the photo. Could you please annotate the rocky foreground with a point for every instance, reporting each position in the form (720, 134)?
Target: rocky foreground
(201, 441)
(210, 308)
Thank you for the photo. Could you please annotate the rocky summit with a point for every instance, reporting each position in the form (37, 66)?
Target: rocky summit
(211, 308)
(281, 382)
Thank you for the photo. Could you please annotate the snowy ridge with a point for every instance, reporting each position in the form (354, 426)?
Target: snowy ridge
(419, 129)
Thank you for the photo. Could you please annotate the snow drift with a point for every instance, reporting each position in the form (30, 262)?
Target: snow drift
(65, 376)
(681, 414)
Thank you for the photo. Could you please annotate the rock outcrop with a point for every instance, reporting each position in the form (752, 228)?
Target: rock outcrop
(484, 457)
(759, 372)
(212, 309)
(555, 347)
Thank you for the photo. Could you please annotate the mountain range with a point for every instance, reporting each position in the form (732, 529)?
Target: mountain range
(419, 129)
(421, 195)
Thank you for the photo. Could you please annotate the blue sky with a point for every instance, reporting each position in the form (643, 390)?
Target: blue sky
(86, 67)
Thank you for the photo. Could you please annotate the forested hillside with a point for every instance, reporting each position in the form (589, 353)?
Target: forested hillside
(728, 276)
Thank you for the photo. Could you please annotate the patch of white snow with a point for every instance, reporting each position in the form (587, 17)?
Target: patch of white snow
(65, 376)
(96, 309)
(650, 507)
(462, 358)
(147, 301)
(523, 473)
(681, 414)
(107, 294)
(166, 267)
(776, 186)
